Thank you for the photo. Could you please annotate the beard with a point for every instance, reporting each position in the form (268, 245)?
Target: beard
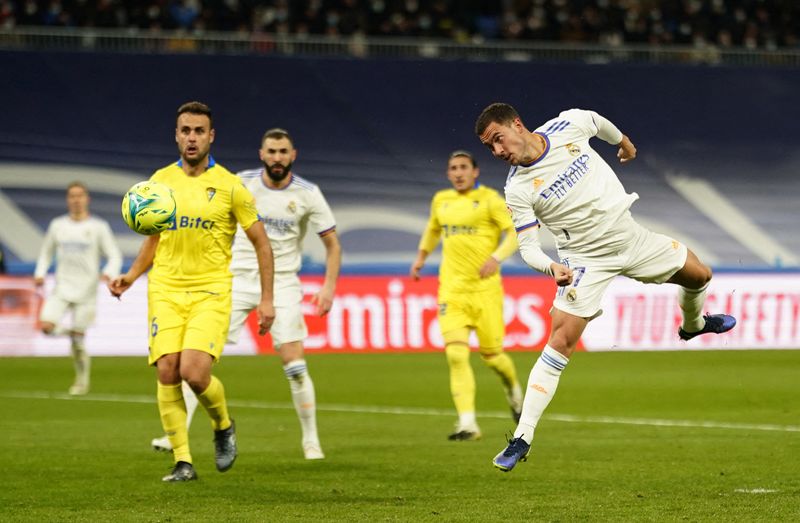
(278, 175)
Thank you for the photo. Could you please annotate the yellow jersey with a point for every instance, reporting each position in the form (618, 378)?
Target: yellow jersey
(194, 254)
(470, 226)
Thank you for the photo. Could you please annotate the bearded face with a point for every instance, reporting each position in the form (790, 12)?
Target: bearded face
(278, 155)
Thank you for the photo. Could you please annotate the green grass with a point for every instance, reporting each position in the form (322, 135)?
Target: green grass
(89, 459)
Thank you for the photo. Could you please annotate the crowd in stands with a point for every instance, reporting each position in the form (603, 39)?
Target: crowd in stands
(762, 24)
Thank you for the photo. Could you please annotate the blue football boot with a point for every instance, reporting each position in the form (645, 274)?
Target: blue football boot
(716, 323)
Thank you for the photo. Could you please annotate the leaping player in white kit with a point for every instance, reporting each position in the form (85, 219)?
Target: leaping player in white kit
(78, 240)
(557, 180)
(288, 205)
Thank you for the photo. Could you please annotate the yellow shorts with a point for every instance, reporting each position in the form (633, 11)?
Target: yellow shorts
(187, 320)
(482, 311)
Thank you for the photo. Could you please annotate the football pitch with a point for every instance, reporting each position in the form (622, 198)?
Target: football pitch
(677, 436)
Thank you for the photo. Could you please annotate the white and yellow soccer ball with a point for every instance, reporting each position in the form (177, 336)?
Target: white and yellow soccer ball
(149, 208)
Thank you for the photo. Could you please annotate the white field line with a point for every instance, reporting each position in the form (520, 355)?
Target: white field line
(415, 411)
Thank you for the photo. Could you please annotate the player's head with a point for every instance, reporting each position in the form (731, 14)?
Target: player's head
(77, 199)
(500, 128)
(462, 170)
(278, 154)
(194, 132)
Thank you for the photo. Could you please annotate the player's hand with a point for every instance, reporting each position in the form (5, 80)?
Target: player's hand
(38, 281)
(627, 151)
(490, 267)
(266, 315)
(415, 268)
(119, 285)
(562, 274)
(323, 300)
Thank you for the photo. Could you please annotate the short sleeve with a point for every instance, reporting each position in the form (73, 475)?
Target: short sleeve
(243, 205)
(521, 208)
(321, 218)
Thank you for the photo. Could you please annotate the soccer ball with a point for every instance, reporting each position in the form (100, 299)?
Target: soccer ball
(148, 207)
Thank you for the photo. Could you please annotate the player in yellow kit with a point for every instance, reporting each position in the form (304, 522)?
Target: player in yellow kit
(189, 289)
(471, 219)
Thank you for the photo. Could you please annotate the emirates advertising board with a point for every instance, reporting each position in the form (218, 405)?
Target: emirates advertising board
(375, 314)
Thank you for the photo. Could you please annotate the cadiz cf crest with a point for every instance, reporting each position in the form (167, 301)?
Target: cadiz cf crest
(573, 149)
(292, 207)
(210, 192)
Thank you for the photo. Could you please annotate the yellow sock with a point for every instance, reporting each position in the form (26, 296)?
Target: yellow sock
(213, 400)
(462, 380)
(503, 365)
(173, 418)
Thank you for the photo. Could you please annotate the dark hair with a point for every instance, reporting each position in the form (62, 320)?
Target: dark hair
(495, 113)
(78, 184)
(465, 154)
(196, 108)
(276, 133)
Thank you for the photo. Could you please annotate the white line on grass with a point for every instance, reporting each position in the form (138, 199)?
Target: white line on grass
(416, 411)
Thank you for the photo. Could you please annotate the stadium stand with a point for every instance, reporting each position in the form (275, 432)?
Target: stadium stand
(733, 23)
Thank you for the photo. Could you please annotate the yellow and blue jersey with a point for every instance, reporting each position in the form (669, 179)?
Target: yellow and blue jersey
(470, 226)
(194, 254)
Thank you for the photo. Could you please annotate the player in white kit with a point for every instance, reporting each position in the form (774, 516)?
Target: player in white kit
(557, 180)
(78, 241)
(288, 205)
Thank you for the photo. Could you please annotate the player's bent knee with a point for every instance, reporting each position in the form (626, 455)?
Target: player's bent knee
(489, 353)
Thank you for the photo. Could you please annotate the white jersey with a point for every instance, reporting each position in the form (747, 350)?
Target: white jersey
(286, 213)
(78, 247)
(570, 189)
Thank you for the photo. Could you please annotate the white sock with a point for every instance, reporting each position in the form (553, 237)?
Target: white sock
(542, 384)
(467, 420)
(190, 399)
(691, 302)
(303, 397)
(80, 360)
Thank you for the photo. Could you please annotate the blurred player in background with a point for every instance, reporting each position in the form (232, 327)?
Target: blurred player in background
(557, 180)
(288, 205)
(470, 219)
(189, 287)
(79, 241)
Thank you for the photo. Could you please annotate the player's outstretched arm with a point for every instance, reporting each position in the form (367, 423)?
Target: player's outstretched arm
(143, 261)
(333, 263)
(627, 151)
(266, 268)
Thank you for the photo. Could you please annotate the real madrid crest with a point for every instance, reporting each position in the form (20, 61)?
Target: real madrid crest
(573, 149)
(537, 182)
(292, 207)
(572, 295)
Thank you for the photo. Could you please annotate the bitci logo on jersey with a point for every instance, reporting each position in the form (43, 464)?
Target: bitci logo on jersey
(188, 222)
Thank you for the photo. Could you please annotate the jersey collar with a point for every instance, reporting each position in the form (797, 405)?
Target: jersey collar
(211, 162)
(544, 153)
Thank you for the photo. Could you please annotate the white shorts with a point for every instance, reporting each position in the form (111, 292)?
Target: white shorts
(55, 307)
(289, 324)
(649, 257)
